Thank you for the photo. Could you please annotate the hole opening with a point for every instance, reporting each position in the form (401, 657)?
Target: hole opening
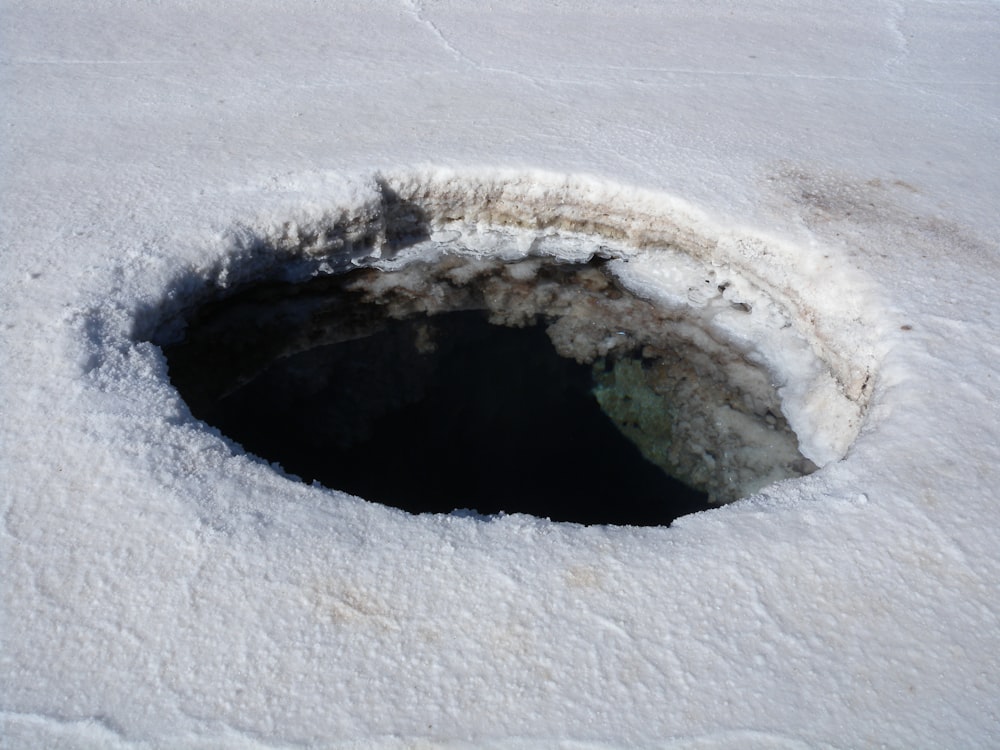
(507, 352)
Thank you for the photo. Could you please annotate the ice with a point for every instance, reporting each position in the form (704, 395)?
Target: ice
(833, 169)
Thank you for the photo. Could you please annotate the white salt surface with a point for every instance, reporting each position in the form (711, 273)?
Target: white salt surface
(162, 589)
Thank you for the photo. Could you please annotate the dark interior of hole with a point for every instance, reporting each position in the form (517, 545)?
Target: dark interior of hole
(442, 413)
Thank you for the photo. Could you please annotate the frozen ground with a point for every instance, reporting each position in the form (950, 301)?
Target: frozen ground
(160, 588)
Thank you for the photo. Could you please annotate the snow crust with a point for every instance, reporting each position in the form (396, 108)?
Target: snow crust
(838, 165)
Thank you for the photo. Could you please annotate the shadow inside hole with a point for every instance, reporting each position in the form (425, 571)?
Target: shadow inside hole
(431, 414)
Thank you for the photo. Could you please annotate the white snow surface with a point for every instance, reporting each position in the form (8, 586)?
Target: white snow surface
(161, 588)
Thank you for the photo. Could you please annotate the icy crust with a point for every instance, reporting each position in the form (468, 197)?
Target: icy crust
(756, 358)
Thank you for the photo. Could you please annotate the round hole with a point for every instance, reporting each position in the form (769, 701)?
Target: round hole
(443, 350)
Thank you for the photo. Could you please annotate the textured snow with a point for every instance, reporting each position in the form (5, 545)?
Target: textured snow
(162, 588)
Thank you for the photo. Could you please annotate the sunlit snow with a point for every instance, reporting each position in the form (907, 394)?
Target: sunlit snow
(797, 199)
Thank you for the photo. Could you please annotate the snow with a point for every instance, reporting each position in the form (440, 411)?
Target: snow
(162, 588)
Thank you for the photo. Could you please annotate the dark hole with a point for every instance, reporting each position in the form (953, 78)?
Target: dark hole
(432, 414)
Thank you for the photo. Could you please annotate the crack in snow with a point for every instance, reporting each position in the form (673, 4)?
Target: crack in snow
(894, 22)
(415, 9)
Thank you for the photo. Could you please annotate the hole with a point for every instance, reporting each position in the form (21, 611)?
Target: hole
(346, 381)
(446, 348)
(533, 386)
(427, 412)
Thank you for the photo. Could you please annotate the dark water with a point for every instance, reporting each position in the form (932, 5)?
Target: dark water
(435, 414)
